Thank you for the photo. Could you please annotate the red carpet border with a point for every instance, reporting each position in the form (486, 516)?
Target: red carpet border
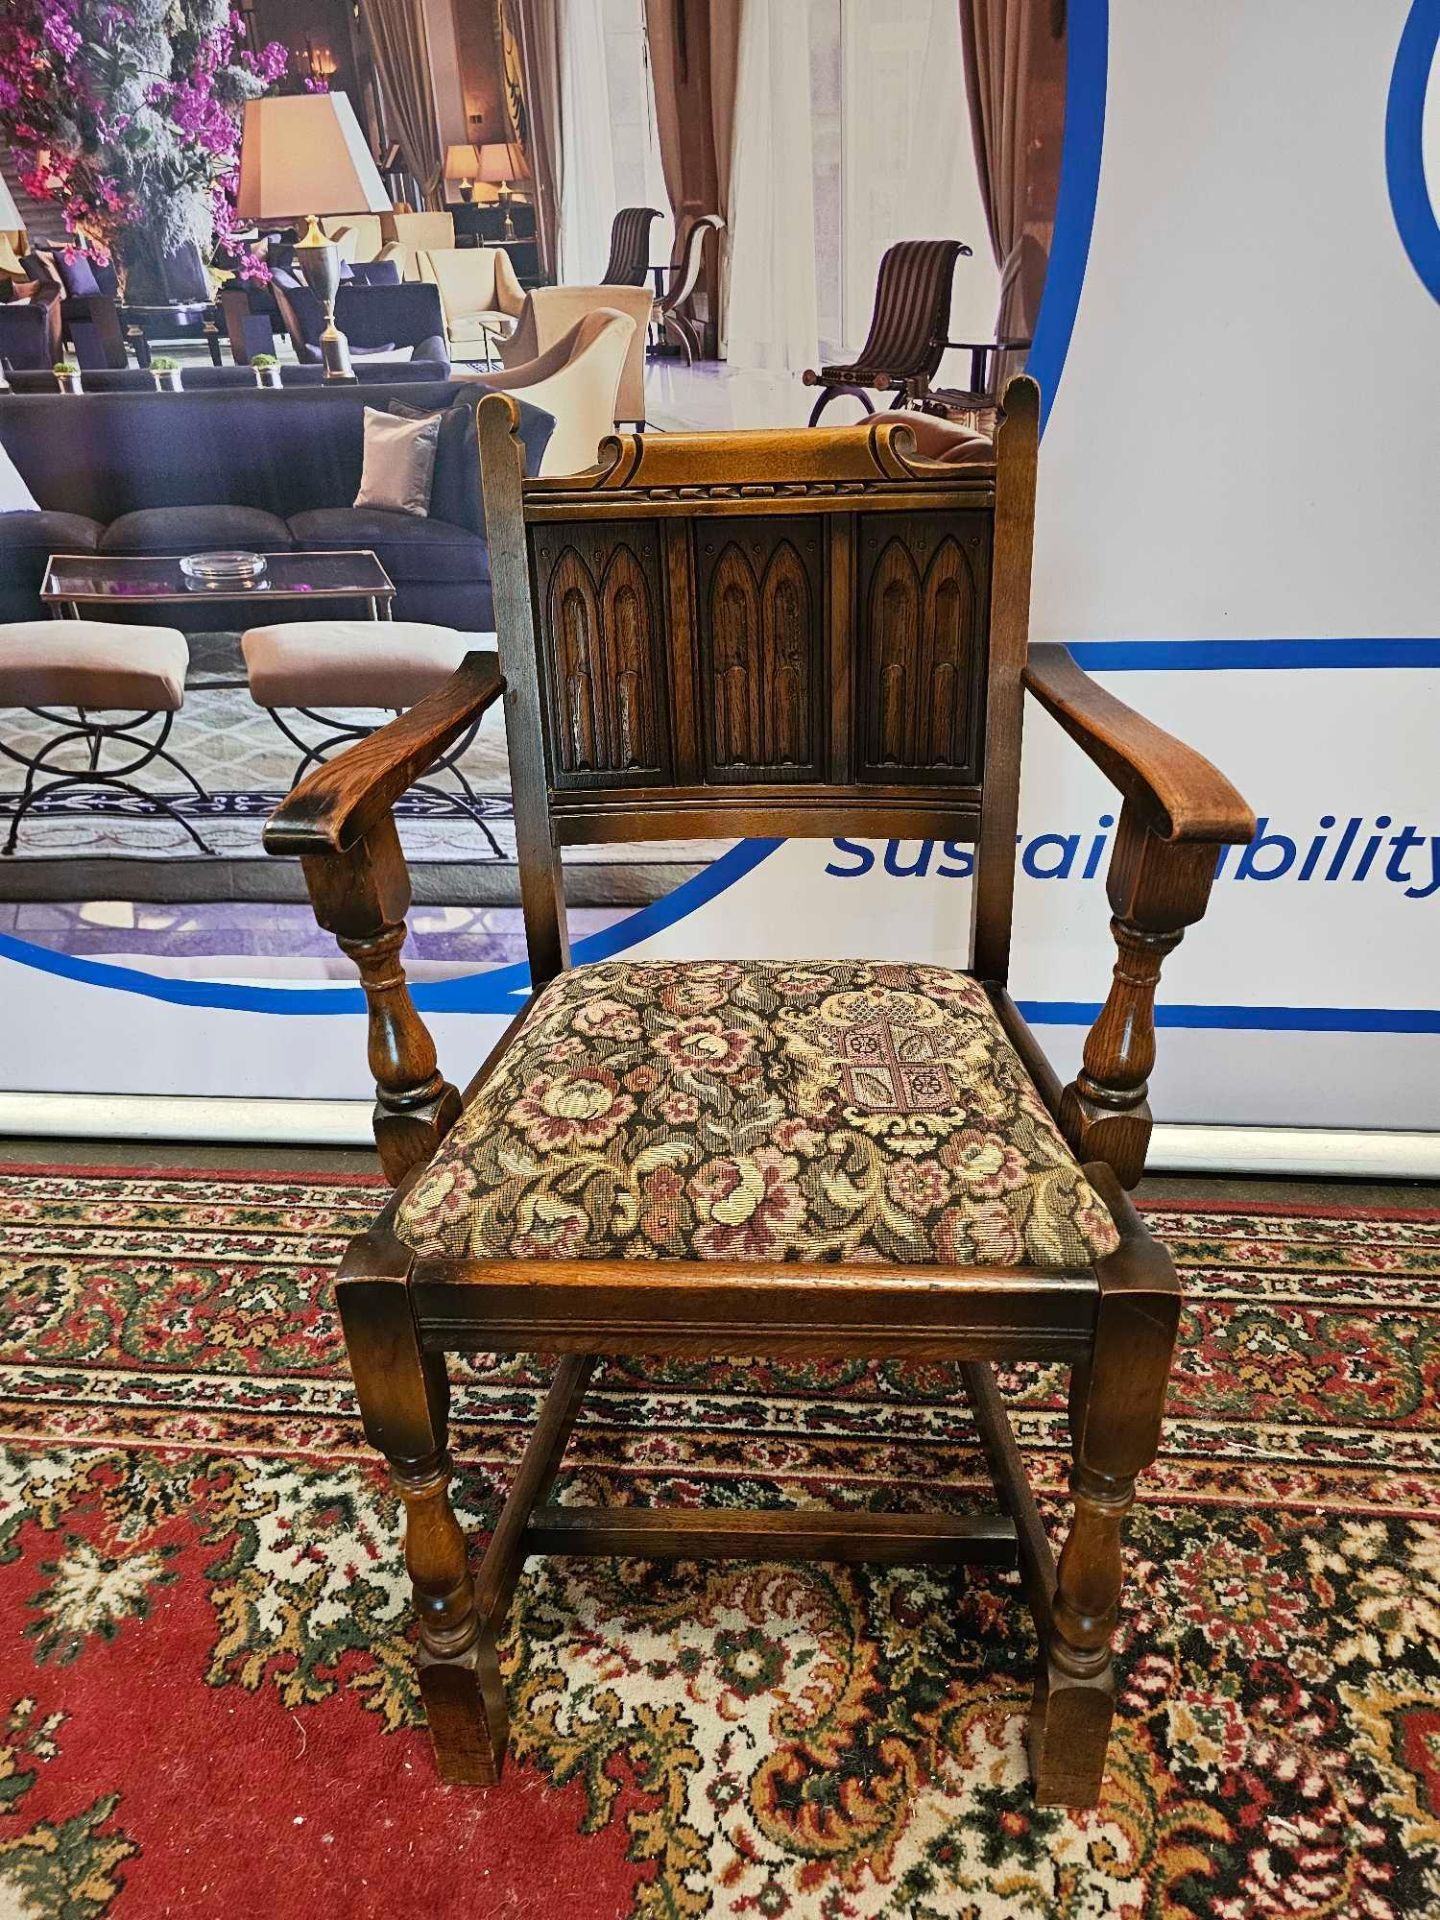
(205, 1678)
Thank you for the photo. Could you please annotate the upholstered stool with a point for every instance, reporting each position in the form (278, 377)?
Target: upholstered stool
(70, 671)
(321, 669)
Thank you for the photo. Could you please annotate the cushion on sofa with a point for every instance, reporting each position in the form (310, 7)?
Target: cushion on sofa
(456, 489)
(399, 462)
(27, 541)
(408, 547)
(194, 529)
(46, 533)
(77, 274)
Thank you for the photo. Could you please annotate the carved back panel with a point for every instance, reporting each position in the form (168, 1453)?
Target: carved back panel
(924, 597)
(601, 626)
(759, 629)
(802, 632)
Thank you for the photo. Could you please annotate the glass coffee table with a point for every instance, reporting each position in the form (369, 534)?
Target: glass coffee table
(77, 581)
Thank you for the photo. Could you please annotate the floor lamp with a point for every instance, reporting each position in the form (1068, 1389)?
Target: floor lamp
(303, 155)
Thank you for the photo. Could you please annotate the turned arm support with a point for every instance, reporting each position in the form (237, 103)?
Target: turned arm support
(1178, 812)
(339, 822)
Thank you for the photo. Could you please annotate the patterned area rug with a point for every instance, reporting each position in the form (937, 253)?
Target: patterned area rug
(207, 1702)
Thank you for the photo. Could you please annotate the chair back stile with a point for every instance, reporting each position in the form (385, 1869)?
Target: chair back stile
(629, 262)
(810, 633)
(912, 309)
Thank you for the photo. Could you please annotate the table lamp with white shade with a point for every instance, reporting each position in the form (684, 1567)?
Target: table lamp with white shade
(462, 163)
(500, 163)
(301, 155)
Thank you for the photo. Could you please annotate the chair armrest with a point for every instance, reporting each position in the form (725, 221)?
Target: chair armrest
(1179, 795)
(1007, 343)
(1178, 812)
(339, 822)
(337, 804)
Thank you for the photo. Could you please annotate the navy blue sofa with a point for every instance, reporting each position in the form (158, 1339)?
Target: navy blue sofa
(29, 334)
(178, 473)
(373, 318)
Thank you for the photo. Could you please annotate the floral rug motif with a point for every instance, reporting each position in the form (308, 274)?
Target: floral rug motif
(206, 1698)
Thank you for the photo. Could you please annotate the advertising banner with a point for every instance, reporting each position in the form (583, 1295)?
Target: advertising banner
(1239, 348)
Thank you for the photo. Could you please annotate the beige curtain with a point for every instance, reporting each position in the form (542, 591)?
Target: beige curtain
(724, 59)
(694, 47)
(667, 42)
(538, 28)
(1015, 84)
(400, 47)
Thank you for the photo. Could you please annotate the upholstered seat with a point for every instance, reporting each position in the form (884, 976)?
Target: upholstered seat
(479, 293)
(27, 541)
(191, 529)
(45, 532)
(548, 315)
(577, 380)
(728, 1110)
(126, 684)
(415, 233)
(95, 664)
(480, 329)
(629, 261)
(350, 663)
(907, 327)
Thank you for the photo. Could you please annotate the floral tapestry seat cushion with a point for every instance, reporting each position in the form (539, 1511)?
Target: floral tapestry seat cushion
(759, 1111)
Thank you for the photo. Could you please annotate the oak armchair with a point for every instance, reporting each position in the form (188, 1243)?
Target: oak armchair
(815, 632)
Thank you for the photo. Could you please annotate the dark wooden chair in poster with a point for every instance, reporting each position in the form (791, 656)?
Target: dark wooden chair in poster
(675, 308)
(629, 262)
(810, 633)
(994, 362)
(908, 324)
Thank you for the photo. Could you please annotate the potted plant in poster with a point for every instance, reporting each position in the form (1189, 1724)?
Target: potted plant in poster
(267, 370)
(67, 372)
(166, 374)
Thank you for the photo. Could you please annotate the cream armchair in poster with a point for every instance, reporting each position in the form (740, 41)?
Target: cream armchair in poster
(479, 294)
(577, 380)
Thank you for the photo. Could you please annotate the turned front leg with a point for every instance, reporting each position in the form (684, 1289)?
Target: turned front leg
(1157, 888)
(1116, 1405)
(459, 1666)
(404, 1405)
(362, 896)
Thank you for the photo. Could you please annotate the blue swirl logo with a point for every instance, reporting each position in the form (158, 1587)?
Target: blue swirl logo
(1414, 187)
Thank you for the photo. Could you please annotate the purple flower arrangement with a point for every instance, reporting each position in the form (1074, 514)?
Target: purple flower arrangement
(126, 114)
